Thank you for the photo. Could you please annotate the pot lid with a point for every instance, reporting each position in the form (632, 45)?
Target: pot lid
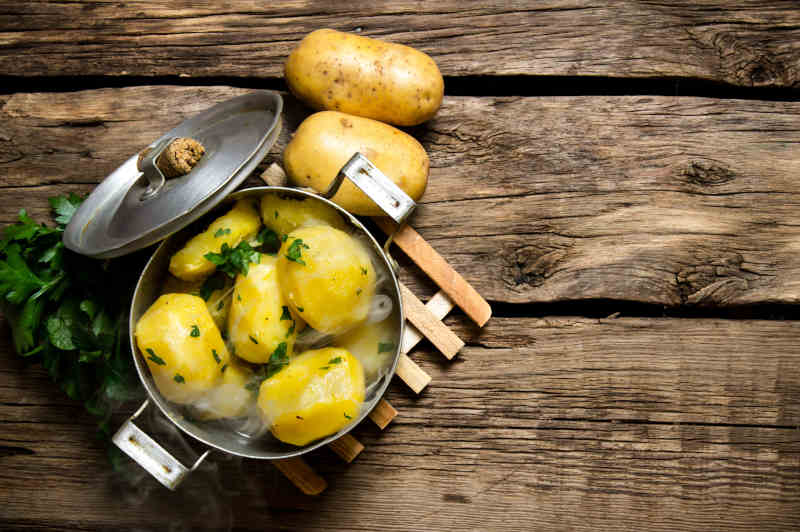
(132, 209)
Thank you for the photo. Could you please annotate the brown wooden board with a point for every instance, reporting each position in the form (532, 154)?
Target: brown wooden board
(674, 201)
(551, 424)
(741, 42)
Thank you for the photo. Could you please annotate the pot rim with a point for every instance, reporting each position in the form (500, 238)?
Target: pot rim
(183, 424)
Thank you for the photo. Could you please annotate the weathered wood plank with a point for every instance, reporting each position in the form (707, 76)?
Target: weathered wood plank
(655, 199)
(741, 42)
(552, 424)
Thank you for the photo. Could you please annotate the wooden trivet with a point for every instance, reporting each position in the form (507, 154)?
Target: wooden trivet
(423, 321)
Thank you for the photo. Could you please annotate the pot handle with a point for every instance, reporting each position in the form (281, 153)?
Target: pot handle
(389, 197)
(156, 460)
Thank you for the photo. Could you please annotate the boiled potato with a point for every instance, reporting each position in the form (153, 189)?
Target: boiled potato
(327, 277)
(325, 141)
(316, 395)
(366, 77)
(373, 344)
(260, 319)
(218, 301)
(230, 398)
(240, 223)
(182, 347)
(283, 214)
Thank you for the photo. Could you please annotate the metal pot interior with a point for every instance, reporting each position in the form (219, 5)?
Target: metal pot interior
(220, 435)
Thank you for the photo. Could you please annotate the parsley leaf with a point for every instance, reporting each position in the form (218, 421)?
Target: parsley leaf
(253, 340)
(337, 360)
(269, 239)
(224, 367)
(295, 251)
(195, 331)
(64, 207)
(286, 315)
(213, 283)
(222, 232)
(348, 417)
(216, 356)
(236, 260)
(179, 378)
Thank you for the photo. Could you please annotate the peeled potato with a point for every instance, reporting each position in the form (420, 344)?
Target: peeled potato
(316, 395)
(230, 398)
(257, 322)
(240, 223)
(373, 344)
(284, 214)
(326, 277)
(218, 302)
(325, 141)
(366, 77)
(182, 347)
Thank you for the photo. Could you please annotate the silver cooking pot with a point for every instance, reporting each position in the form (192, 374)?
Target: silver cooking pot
(157, 460)
(137, 205)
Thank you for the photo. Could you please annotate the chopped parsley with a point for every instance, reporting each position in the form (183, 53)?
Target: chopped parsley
(155, 358)
(286, 315)
(222, 232)
(348, 417)
(295, 251)
(337, 360)
(215, 282)
(238, 297)
(385, 347)
(276, 215)
(195, 331)
(179, 378)
(277, 361)
(269, 238)
(284, 237)
(300, 309)
(224, 367)
(253, 340)
(364, 271)
(216, 356)
(291, 329)
(234, 261)
(221, 304)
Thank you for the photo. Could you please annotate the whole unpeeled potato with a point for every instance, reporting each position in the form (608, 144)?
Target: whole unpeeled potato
(325, 141)
(365, 77)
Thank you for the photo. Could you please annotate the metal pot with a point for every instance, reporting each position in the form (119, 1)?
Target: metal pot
(132, 209)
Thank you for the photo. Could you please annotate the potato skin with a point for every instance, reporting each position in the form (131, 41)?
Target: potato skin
(325, 141)
(367, 77)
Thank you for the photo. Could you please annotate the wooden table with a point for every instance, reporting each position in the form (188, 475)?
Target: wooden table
(621, 182)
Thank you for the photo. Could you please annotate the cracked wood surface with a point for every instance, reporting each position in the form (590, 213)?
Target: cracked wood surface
(740, 42)
(545, 424)
(673, 201)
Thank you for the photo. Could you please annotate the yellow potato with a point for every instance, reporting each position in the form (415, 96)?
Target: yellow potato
(366, 77)
(182, 347)
(325, 141)
(283, 214)
(326, 277)
(373, 344)
(230, 398)
(257, 321)
(240, 223)
(316, 395)
(218, 302)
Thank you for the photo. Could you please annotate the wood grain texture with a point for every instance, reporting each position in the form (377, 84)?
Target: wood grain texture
(383, 414)
(742, 42)
(445, 340)
(673, 201)
(552, 424)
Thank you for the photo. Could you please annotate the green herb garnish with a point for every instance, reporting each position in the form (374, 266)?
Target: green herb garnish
(286, 315)
(385, 347)
(253, 340)
(222, 232)
(300, 309)
(224, 367)
(216, 356)
(236, 260)
(178, 378)
(364, 271)
(337, 360)
(291, 329)
(215, 282)
(295, 251)
(155, 358)
(276, 215)
(195, 331)
(348, 417)
(221, 304)
(269, 238)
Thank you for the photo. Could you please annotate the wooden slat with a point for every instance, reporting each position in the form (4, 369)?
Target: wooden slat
(432, 263)
(445, 340)
(439, 305)
(347, 447)
(631, 424)
(735, 41)
(383, 414)
(413, 375)
(301, 475)
(663, 200)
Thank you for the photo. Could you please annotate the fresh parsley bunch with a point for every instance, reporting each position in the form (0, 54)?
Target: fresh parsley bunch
(69, 311)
